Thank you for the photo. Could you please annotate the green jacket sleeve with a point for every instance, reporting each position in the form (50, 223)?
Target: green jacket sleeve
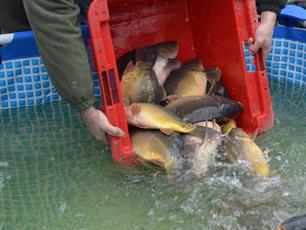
(270, 5)
(58, 35)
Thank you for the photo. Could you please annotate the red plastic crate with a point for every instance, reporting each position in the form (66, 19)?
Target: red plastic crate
(212, 30)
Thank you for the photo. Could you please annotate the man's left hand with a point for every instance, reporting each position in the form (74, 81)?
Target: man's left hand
(263, 34)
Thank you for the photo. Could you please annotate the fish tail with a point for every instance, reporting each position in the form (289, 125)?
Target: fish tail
(262, 168)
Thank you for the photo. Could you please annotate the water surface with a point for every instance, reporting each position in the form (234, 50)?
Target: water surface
(53, 175)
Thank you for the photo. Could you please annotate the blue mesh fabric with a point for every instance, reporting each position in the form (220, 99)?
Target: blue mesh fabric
(25, 82)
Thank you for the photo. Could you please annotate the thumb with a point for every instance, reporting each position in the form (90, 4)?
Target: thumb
(113, 131)
(109, 128)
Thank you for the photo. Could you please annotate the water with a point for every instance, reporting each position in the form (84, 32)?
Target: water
(53, 175)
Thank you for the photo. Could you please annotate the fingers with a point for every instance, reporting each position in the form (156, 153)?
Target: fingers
(98, 124)
(250, 41)
(253, 48)
(109, 128)
(113, 131)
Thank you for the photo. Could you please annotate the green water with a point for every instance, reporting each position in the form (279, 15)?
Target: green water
(53, 175)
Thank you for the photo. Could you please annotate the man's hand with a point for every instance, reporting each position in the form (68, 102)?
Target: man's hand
(263, 34)
(98, 124)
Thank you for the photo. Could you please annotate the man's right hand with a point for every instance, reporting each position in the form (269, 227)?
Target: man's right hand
(98, 124)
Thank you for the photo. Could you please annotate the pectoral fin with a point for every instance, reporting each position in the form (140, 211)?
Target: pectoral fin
(163, 74)
(172, 98)
(167, 131)
(254, 134)
(211, 89)
(213, 74)
(162, 93)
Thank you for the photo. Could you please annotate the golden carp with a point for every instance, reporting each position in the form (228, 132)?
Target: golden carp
(139, 82)
(150, 116)
(239, 144)
(188, 80)
(200, 148)
(204, 108)
(160, 149)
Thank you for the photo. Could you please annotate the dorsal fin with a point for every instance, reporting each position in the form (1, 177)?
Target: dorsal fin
(211, 89)
(130, 67)
(254, 134)
(213, 74)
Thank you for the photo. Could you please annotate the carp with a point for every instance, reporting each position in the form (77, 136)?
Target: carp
(150, 116)
(240, 145)
(139, 82)
(201, 147)
(205, 108)
(158, 148)
(188, 80)
(296, 222)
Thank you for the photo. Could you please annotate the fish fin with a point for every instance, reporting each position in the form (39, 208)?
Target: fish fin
(159, 91)
(124, 60)
(126, 102)
(227, 128)
(281, 227)
(162, 93)
(130, 66)
(211, 89)
(214, 122)
(205, 134)
(254, 134)
(135, 109)
(167, 131)
(172, 64)
(172, 98)
(144, 162)
(216, 126)
(213, 74)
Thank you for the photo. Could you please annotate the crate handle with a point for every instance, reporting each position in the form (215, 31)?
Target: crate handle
(105, 64)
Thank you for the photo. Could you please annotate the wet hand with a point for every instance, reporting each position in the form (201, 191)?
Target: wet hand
(263, 34)
(98, 124)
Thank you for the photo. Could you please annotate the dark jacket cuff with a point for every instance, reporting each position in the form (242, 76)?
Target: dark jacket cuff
(269, 7)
